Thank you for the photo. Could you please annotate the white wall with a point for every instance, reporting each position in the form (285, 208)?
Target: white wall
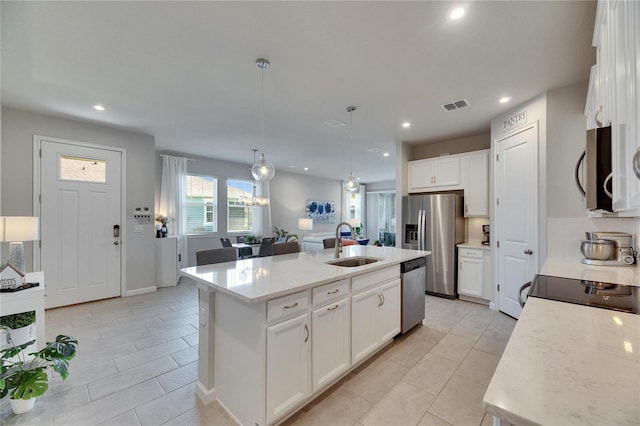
(289, 193)
(17, 178)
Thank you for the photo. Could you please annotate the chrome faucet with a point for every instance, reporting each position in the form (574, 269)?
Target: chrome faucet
(338, 248)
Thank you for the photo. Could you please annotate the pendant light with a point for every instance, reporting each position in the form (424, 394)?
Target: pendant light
(351, 184)
(263, 170)
(254, 200)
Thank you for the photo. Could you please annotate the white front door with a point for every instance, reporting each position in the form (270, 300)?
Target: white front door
(80, 213)
(516, 215)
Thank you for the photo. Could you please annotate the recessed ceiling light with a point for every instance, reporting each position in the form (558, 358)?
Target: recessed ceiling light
(98, 107)
(406, 124)
(456, 13)
(504, 99)
(386, 154)
(306, 169)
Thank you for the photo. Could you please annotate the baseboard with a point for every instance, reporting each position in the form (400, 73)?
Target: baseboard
(205, 395)
(473, 299)
(138, 291)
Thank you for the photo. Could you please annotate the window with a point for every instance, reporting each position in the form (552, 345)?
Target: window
(202, 200)
(239, 217)
(82, 169)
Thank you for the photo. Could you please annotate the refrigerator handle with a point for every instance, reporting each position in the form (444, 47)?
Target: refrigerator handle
(420, 230)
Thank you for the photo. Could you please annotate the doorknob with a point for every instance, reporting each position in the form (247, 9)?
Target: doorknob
(528, 251)
(115, 243)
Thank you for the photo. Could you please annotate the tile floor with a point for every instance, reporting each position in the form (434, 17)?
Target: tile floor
(137, 365)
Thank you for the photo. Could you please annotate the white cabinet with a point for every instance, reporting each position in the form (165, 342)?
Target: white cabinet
(473, 271)
(375, 313)
(434, 173)
(331, 339)
(468, 171)
(614, 95)
(167, 262)
(476, 187)
(288, 366)
(31, 299)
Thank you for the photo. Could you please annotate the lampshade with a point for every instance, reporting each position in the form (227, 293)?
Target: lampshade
(305, 224)
(354, 222)
(18, 228)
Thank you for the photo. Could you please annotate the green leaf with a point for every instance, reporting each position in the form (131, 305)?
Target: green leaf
(29, 384)
(15, 350)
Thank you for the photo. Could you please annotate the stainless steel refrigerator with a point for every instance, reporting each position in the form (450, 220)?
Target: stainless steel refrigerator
(435, 222)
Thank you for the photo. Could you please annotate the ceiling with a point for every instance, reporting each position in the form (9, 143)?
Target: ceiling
(185, 72)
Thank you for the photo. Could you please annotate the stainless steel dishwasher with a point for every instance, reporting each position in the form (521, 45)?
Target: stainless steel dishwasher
(413, 275)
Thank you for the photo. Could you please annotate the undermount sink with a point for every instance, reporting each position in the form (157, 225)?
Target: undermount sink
(351, 262)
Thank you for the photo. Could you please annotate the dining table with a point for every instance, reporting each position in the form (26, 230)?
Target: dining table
(255, 248)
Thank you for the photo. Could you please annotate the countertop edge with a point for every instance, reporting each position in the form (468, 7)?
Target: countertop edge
(347, 273)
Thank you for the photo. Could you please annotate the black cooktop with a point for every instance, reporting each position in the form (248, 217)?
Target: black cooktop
(598, 294)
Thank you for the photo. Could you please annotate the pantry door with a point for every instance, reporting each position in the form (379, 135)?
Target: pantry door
(516, 215)
(80, 221)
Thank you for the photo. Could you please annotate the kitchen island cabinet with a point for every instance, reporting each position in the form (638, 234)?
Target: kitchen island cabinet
(277, 331)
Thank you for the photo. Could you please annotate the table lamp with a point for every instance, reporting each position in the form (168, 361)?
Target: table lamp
(305, 224)
(15, 230)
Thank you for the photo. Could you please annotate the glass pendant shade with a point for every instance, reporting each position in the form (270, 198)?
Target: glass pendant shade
(263, 170)
(351, 184)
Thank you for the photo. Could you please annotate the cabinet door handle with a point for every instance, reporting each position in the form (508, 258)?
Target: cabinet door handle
(379, 300)
(334, 291)
(382, 295)
(306, 330)
(292, 306)
(332, 308)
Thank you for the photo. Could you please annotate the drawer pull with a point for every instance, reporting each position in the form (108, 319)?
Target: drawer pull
(306, 329)
(292, 306)
(334, 291)
(333, 308)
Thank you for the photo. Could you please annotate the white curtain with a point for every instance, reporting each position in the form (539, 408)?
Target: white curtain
(262, 223)
(173, 199)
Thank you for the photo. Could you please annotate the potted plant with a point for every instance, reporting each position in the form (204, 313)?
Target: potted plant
(283, 236)
(23, 376)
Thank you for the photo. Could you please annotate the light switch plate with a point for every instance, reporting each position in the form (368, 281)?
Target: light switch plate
(138, 228)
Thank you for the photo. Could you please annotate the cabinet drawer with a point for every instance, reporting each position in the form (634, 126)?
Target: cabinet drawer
(364, 281)
(466, 252)
(287, 306)
(328, 292)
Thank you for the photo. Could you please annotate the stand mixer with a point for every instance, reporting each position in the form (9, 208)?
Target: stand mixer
(622, 253)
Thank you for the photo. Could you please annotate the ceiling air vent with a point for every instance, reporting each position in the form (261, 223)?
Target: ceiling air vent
(334, 123)
(456, 105)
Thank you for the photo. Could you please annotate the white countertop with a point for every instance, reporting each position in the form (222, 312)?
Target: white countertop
(568, 364)
(263, 278)
(474, 245)
(571, 268)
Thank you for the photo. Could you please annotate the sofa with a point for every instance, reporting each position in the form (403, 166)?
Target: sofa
(313, 242)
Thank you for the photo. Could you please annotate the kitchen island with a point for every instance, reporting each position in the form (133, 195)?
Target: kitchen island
(277, 331)
(568, 364)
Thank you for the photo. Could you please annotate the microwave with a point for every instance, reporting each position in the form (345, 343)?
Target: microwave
(598, 186)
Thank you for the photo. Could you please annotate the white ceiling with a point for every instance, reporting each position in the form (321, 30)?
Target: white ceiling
(185, 71)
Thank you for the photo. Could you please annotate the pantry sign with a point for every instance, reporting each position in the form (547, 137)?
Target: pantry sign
(515, 120)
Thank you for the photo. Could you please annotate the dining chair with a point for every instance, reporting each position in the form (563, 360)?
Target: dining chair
(225, 242)
(208, 257)
(329, 243)
(266, 247)
(286, 248)
(243, 252)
